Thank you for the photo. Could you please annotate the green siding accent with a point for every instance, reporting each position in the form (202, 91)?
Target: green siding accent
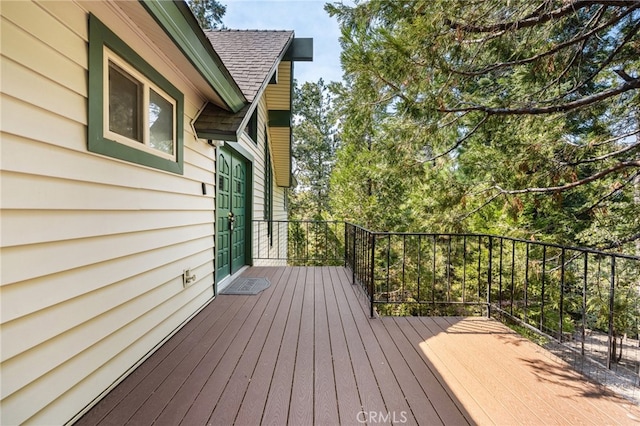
(218, 136)
(279, 118)
(100, 36)
(188, 36)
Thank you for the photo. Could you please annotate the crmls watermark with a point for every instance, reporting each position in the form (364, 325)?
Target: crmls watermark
(381, 417)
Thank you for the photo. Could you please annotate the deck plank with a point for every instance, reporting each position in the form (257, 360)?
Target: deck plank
(301, 404)
(225, 357)
(425, 384)
(515, 379)
(474, 362)
(477, 398)
(547, 379)
(304, 351)
(135, 391)
(348, 399)
(250, 388)
(252, 369)
(324, 391)
(349, 308)
(276, 410)
(179, 404)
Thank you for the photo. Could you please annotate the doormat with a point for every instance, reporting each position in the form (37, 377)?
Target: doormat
(246, 286)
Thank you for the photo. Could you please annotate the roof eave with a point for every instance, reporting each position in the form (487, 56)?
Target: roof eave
(178, 22)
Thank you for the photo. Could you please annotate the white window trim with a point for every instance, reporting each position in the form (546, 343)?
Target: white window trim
(110, 56)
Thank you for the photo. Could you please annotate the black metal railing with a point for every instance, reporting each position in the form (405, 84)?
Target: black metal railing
(583, 304)
(299, 242)
(586, 302)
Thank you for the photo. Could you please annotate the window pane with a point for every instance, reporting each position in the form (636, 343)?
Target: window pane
(124, 103)
(160, 123)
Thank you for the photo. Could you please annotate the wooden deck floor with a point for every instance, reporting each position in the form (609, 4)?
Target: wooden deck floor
(305, 352)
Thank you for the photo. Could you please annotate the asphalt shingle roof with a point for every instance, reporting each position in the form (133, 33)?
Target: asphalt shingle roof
(249, 55)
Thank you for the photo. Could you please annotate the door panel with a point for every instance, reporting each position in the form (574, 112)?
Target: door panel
(239, 213)
(223, 264)
(231, 214)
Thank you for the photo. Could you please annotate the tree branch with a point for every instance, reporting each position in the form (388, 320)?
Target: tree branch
(605, 156)
(616, 138)
(483, 205)
(629, 85)
(461, 140)
(562, 188)
(558, 47)
(537, 19)
(603, 64)
(619, 243)
(604, 197)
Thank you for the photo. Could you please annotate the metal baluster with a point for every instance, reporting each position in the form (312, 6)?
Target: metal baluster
(372, 277)
(479, 266)
(584, 302)
(513, 269)
(526, 285)
(544, 265)
(433, 284)
(449, 269)
(419, 266)
(562, 259)
(388, 263)
(500, 273)
(404, 260)
(464, 268)
(612, 287)
(489, 277)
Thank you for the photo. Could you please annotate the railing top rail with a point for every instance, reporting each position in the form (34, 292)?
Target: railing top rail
(476, 235)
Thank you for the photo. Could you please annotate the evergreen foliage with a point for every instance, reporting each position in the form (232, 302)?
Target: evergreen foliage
(315, 141)
(517, 118)
(209, 13)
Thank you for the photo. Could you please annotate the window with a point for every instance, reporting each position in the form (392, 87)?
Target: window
(135, 114)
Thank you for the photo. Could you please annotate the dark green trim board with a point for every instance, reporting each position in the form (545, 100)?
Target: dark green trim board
(100, 36)
(279, 118)
(178, 22)
(235, 146)
(301, 49)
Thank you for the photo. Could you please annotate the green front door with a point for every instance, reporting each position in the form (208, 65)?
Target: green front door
(231, 215)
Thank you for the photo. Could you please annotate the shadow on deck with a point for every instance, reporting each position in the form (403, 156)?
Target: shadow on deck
(304, 352)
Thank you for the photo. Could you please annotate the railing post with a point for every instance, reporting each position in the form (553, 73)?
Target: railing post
(584, 302)
(513, 272)
(544, 271)
(526, 285)
(612, 287)
(562, 260)
(500, 275)
(489, 277)
(372, 276)
(346, 244)
(353, 259)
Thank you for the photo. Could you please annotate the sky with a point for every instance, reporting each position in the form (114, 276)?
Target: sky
(306, 17)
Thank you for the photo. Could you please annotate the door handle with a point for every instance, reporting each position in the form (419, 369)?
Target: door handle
(232, 219)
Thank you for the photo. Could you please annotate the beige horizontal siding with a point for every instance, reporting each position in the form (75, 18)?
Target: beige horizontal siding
(93, 248)
(63, 339)
(279, 95)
